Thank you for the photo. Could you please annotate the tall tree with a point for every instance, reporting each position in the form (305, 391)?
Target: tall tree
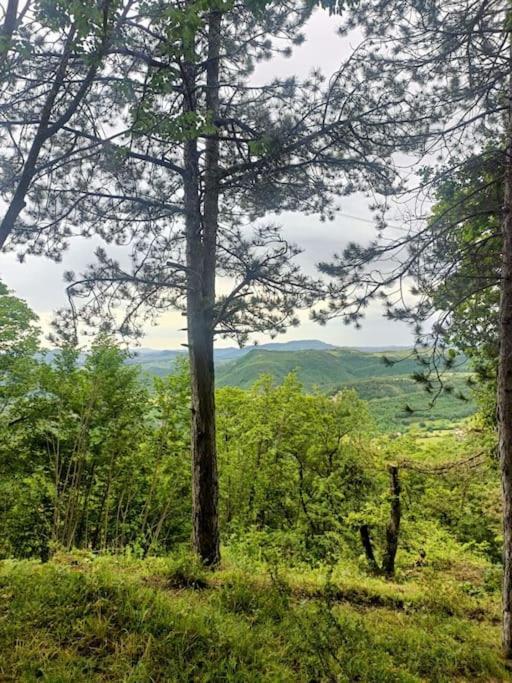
(504, 399)
(458, 61)
(203, 156)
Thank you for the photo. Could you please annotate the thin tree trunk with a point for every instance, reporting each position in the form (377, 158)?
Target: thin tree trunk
(96, 536)
(201, 233)
(504, 398)
(393, 528)
(83, 526)
(252, 489)
(364, 530)
(9, 26)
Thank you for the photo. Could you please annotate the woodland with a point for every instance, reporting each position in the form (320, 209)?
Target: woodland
(273, 513)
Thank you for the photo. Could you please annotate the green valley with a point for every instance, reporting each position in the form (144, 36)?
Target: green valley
(384, 378)
(396, 399)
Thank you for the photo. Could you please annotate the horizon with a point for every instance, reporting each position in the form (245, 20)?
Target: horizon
(282, 343)
(259, 345)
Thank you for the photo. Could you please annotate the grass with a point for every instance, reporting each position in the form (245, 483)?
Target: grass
(80, 618)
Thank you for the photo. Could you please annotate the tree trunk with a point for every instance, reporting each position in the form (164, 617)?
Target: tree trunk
(201, 234)
(364, 530)
(393, 528)
(9, 26)
(504, 398)
(204, 456)
(392, 531)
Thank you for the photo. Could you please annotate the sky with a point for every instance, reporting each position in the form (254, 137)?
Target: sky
(40, 282)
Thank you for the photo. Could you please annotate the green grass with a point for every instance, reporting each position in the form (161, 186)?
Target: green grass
(116, 619)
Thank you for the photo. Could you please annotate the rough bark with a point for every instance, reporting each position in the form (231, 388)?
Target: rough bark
(504, 398)
(201, 233)
(204, 457)
(393, 527)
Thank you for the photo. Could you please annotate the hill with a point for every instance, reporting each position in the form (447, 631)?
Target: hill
(160, 362)
(328, 370)
(388, 387)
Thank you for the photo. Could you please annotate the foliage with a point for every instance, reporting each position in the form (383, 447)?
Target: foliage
(96, 459)
(19, 342)
(102, 464)
(395, 399)
(290, 464)
(439, 271)
(283, 145)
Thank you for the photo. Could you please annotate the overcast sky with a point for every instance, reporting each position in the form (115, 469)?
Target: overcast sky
(40, 282)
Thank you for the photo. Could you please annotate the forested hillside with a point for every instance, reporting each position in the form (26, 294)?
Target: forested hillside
(383, 377)
(161, 362)
(216, 173)
(326, 370)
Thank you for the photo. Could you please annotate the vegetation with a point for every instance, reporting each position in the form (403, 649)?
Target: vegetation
(327, 370)
(192, 179)
(83, 618)
(383, 378)
(459, 257)
(99, 491)
(364, 532)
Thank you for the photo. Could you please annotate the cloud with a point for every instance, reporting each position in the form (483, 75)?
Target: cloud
(40, 282)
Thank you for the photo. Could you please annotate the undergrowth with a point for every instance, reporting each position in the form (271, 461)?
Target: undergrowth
(80, 618)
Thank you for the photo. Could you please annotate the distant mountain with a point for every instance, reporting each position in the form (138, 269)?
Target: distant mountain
(297, 345)
(328, 369)
(160, 362)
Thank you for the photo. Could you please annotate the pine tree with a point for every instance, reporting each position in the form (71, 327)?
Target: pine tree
(180, 155)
